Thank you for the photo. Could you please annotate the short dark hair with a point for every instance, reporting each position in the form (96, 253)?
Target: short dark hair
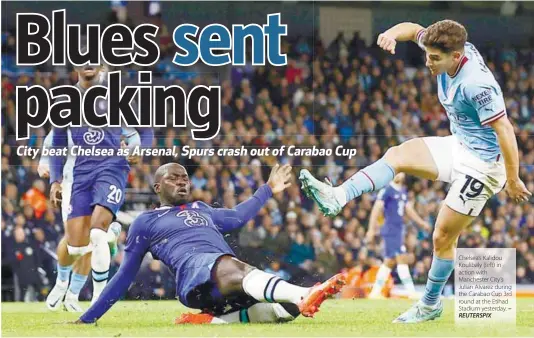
(445, 35)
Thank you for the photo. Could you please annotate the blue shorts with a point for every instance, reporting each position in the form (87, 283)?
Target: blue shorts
(394, 246)
(105, 188)
(197, 290)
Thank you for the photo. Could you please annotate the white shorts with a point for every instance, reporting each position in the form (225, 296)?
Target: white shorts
(473, 181)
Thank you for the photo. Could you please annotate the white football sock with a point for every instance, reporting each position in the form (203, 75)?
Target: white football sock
(381, 278)
(266, 287)
(100, 260)
(257, 313)
(406, 278)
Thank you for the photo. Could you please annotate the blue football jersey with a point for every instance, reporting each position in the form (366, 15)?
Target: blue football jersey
(473, 99)
(86, 137)
(394, 206)
(175, 234)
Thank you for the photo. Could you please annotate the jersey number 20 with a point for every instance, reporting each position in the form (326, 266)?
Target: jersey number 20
(115, 194)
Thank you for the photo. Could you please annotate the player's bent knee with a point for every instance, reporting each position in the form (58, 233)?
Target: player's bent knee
(229, 274)
(98, 236)
(393, 157)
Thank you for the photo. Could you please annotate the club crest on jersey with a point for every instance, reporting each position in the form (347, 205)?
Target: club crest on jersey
(93, 136)
(192, 218)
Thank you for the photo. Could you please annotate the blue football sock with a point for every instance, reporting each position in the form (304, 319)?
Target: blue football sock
(438, 276)
(77, 282)
(371, 178)
(63, 272)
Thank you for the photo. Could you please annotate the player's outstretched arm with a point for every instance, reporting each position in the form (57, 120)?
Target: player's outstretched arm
(515, 188)
(405, 31)
(137, 244)
(231, 219)
(115, 289)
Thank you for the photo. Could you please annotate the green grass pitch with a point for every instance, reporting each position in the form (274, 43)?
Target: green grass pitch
(337, 318)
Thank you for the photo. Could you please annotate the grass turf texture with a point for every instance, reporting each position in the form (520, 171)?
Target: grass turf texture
(337, 318)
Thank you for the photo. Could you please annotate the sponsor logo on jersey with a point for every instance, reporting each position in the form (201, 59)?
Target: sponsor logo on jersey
(483, 98)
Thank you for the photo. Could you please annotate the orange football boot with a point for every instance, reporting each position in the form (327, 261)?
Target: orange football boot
(194, 318)
(309, 305)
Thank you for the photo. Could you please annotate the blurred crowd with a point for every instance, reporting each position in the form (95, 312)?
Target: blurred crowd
(346, 93)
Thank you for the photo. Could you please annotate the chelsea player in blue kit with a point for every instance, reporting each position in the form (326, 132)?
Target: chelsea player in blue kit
(97, 190)
(479, 159)
(67, 285)
(392, 202)
(187, 237)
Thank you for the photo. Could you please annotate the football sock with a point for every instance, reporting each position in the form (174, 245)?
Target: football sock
(266, 287)
(76, 283)
(100, 260)
(438, 276)
(371, 178)
(381, 277)
(63, 273)
(406, 278)
(257, 313)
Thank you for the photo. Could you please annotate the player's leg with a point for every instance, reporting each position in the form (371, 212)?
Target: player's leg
(232, 277)
(256, 313)
(74, 245)
(382, 276)
(80, 272)
(449, 225)
(101, 256)
(82, 267)
(413, 157)
(474, 182)
(403, 270)
(108, 196)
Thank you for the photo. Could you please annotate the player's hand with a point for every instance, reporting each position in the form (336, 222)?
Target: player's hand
(280, 177)
(43, 170)
(517, 191)
(55, 194)
(387, 43)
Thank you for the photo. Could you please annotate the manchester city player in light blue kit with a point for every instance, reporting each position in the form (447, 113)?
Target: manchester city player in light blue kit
(479, 159)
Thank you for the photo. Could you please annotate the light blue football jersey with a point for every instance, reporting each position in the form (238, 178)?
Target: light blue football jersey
(473, 99)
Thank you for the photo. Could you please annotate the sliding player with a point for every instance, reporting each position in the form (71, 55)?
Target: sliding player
(188, 238)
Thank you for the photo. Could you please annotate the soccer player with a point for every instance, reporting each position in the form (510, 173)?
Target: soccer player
(392, 202)
(98, 184)
(188, 238)
(81, 267)
(479, 159)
